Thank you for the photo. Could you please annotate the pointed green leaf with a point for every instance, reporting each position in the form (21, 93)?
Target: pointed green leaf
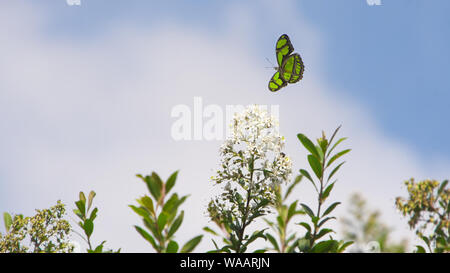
(88, 227)
(327, 191)
(297, 180)
(330, 208)
(209, 230)
(141, 211)
(292, 209)
(172, 247)
(308, 210)
(162, 221)
(81, 207)
(273, 241)
(324, 246)
(147, 203)
(336, 156)
(308, 144)
(176, 224)
(7, 220)
(171, 181)
(82, 197)
(189, 246)
(153, 187)
(442, 187)
(90, 198)
(335, 145)
(147, 236)
(306, 174)
(93, 214)
(315, 165)
(335, 170)
(305, 225)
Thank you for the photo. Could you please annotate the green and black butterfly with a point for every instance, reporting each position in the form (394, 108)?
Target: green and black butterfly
(290, 67)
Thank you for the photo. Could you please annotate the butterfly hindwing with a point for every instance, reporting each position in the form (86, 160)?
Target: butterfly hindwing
(292, 68)
(276, 82)
(283, 48)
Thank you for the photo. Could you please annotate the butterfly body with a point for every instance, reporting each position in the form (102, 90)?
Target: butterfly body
(290, 66)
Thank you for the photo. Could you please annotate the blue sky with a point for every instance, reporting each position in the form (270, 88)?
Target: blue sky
(86, 95)
(393, 58)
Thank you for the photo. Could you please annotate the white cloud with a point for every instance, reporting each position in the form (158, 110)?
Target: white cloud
(90, 114)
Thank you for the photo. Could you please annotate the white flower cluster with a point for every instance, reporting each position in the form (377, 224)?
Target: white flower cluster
(253, 152)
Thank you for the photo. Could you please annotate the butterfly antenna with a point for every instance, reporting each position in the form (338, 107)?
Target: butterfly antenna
(273, 66)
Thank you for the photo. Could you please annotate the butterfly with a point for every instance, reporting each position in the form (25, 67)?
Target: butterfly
(290, 67)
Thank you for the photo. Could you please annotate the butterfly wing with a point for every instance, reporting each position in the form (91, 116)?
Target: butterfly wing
(283, 48)
(292, 68)
(276, 82)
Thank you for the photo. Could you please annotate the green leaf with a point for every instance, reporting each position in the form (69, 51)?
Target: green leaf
(90, 199)
(308, 176)
(147, 236)
(78, 213)
(273, 241)
(81, 207)
(147, 203)
(442, 187)
(292, 209)
(171, 181)
(297, 180)
(162, 221)
(335, 145)
(420, 249)
(320, 153)
(99, 248)
(325, 220)
(334, 133)
(308, 210)
(315, 165)
(303, 245)
(323, 144)
(308, 144)
(141, 211)
(305, 225)
(336, 156)
(344, 246)
(82, 197)
(324, 246)
(327, 191)
(255, 235)
(330, 208)
(209, 230)
(172, 247)
(88, 227)
(7, 220)
(93, 214)
(323, 232)
(158, 181)
(176, 224)
(189, 246)
(335, 170)
(153, 187)
(172, 204)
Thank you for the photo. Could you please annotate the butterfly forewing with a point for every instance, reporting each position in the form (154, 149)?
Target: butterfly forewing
(276, 82)
(283, 48)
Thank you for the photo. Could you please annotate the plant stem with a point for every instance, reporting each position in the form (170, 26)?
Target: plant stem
(244, 219)
(313, 239)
